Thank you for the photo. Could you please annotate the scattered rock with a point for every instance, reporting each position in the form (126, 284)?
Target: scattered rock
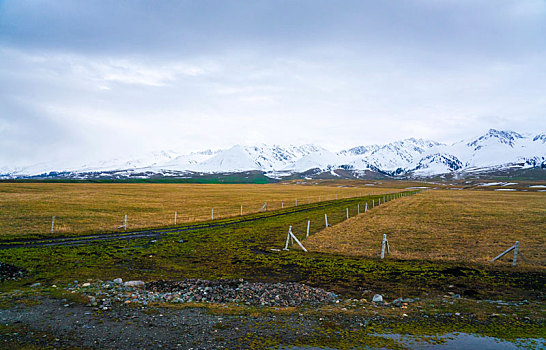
(378, 298)
(221, 291)
(11, 272)
(134, 284)
(118, 281)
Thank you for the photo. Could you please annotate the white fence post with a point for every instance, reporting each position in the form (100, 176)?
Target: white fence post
(357, 208)
(282, 204)
(52, 224)
(366, 207)
(288, 238)
(212, 214)
(384, 244)
(175, 217)
(373, 203)
(515, 253)
(296, 202)
(296, 239)
(514, 248)
(308, 224)
(326, 220)
(125, 224)
(241, 210)
(347, 213)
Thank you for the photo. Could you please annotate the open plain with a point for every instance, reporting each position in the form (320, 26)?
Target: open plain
(228, 283)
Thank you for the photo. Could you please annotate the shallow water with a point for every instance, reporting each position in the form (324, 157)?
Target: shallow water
(454, 342)
(471, 341)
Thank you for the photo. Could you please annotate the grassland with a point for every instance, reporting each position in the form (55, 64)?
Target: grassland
(463, 226)
(251, 250)
(26, 208)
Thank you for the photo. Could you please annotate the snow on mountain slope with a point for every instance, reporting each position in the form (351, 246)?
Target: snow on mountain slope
(320, 158)
(185, 162)
(263, 157)
(497, 148)
(398, 155)
(411, 156)
(437, 164)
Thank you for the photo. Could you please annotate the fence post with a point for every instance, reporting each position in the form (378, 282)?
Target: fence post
(282, 205)
(357, 208)
(296, 202)
(296, 239)
(287, 238)
(383, 245)
(366, 207)
(326, 220)
(241, 210)
(308, 224)
(515, 253)
(125, 224)
(175, 217)
(373, 203)
(212, 214)
(347, 213)
(52, 223)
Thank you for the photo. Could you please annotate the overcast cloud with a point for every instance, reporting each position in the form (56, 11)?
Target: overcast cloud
(96, 79)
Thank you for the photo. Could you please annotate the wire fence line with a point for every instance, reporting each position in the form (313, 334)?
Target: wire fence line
(133, 218)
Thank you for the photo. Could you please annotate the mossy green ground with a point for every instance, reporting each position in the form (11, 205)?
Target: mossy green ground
(244, 250)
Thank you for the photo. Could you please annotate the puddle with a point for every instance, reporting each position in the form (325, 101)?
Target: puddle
(452, 341)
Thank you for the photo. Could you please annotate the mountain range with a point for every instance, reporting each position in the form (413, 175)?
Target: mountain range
(410, 158)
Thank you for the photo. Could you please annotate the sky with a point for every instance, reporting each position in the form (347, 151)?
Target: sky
(89, 80)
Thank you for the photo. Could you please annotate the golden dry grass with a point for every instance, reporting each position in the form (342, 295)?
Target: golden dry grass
(26, 208)
(446, 225)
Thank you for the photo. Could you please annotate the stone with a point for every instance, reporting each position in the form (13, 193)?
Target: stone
(35, 285)
(134, 284)
(86, 284)
(118, 281)
(378, 298)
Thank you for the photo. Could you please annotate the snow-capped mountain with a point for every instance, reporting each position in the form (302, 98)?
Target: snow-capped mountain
(262, 157)
(410, 157)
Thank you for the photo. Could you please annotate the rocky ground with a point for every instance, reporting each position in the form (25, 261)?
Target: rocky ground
(104, 294)
(10, 272)
(201, 314)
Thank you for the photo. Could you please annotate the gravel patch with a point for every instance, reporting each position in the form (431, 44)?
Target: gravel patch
(10, 272)
(105, 294)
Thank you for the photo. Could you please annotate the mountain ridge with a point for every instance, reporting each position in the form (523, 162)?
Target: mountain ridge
(410, 157)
